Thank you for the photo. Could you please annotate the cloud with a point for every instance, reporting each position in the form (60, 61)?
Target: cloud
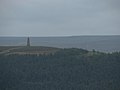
(59, 17)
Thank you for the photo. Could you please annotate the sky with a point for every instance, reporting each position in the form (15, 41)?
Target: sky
(59, 17)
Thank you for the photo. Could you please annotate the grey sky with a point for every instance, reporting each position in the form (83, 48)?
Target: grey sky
(59, 17)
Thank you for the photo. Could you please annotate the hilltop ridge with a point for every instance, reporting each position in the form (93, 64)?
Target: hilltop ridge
(24, 50)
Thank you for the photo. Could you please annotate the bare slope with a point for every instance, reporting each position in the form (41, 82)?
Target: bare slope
(22, 50)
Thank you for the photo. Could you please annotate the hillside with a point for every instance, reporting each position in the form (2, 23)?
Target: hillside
(66, 69)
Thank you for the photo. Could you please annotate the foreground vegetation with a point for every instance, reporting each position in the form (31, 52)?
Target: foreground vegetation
(67, 69)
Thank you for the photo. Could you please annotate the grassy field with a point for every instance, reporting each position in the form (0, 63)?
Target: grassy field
(22, 50)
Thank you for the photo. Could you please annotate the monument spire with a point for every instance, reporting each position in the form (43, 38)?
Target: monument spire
(28, 42)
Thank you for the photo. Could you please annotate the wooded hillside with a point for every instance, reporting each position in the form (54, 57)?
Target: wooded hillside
(67, 69)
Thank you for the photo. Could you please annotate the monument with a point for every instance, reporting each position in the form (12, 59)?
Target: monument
(28, 42)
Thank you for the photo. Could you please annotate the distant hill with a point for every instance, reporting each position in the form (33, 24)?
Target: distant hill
(100, 43)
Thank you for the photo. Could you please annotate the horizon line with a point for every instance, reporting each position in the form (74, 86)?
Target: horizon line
(56, 35)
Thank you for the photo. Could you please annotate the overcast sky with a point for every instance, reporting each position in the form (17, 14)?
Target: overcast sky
(59, 17)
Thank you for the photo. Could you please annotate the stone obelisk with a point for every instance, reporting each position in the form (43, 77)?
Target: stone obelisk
(28, 42)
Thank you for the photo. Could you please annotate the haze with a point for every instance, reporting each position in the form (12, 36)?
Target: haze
(59, 17)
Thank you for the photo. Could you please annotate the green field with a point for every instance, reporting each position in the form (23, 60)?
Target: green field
(10, 50)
